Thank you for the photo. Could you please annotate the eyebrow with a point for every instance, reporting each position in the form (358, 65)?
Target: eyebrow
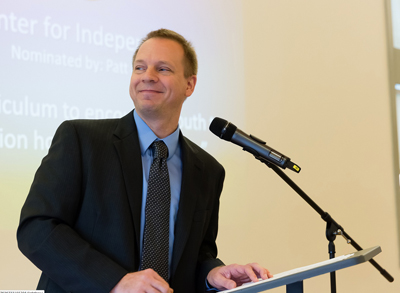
(161, 62)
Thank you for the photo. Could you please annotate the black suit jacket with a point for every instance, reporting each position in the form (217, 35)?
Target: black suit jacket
(80, 223)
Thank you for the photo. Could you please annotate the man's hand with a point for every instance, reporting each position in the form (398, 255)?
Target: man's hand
(232, 276)
(147, 281)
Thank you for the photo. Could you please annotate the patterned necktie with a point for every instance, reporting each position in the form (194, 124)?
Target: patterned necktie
(158, 202)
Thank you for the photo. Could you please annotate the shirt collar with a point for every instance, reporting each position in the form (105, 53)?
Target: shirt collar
(147, 136)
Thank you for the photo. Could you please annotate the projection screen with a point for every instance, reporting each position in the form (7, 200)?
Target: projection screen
(71, 59)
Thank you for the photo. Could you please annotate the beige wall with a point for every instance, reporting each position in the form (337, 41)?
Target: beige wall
(317, 89)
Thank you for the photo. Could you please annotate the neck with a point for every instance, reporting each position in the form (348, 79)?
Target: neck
(161, 126)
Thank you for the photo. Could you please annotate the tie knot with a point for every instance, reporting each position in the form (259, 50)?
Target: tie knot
(160, 149)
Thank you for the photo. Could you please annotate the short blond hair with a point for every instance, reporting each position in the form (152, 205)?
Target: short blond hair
(190, 62)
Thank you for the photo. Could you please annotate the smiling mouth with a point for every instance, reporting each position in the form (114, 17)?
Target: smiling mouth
(149, 91)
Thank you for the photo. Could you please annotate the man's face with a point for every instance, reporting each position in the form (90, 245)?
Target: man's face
(158, 87)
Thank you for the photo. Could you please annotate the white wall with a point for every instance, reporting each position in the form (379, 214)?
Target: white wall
(317, 89)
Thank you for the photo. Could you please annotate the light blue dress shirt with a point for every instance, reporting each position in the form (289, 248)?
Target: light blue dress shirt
(174, 162)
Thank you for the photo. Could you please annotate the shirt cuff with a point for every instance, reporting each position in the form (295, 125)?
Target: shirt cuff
(210, 288)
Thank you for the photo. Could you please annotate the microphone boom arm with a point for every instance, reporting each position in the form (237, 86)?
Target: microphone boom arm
(333, 227)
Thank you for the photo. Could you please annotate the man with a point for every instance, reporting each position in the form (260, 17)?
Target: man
(84, 221)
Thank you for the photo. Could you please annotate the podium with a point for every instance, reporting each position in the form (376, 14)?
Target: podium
(293, 279)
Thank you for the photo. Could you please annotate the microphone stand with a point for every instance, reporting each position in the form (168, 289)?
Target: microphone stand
(332, 227)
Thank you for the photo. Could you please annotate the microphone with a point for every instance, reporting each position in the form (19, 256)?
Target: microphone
(227, 131)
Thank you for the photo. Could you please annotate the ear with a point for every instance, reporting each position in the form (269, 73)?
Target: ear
(191, 84)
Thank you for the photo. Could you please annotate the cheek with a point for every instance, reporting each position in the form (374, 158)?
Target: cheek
(132, 91)
(180, 87)
(132, 85)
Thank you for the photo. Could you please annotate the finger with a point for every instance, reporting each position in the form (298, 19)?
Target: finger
(224, 283)
(161, 285)
(262, 272)
(159, 278)
(150, 289)
(250, 273)
(220, 279)
(157, 283)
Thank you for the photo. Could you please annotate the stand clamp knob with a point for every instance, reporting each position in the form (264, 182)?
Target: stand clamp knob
(339, 232)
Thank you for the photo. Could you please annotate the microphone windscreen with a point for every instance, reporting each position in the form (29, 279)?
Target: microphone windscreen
(222, 128)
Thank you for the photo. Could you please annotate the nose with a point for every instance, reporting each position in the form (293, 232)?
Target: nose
(150, 75)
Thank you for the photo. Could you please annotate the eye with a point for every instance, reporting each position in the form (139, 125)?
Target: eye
(164, 69)
(139, 67)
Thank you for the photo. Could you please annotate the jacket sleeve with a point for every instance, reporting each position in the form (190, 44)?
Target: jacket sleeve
(208, 250)
(46, 234)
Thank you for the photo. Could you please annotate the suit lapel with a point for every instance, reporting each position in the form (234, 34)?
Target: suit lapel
(127, 145)
(191, 178)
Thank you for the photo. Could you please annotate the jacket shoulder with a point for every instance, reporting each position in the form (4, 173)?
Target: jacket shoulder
(97, 129)
(203, 155)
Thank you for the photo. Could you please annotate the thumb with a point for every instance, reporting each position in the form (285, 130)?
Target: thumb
(226, 283)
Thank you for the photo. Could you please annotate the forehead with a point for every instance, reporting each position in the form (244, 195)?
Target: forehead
(159, 49)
